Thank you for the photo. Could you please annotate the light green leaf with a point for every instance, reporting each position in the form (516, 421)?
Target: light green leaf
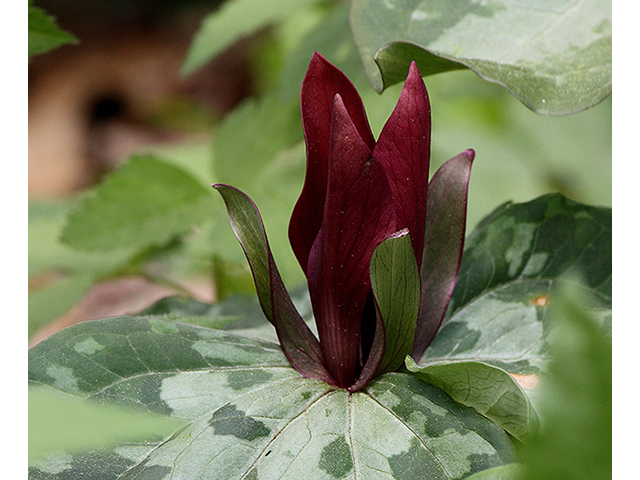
(87, 425)
(259, 149)
(44, 33)
(395, 282)
(575, 403)
(233, 20)
(490, 390)
(50, 302)
(510, 267)
(145, 203)
(248, 414)
(554, 56)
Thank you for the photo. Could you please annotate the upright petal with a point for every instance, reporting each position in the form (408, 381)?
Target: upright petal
(444, 241)
(403, 149)
(298, 342)
(358, 215)
(321, 83)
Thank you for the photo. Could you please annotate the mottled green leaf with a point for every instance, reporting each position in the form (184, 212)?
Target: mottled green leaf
(44, 33)
(250, 415)
(511, 264)
(395, 282)
(490, 390)
(233, 20)
(554, 56)
(146, 202)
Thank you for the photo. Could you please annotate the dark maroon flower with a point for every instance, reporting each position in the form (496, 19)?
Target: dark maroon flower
(379, 243)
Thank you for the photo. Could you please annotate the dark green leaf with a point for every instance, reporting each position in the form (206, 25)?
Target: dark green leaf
(249, 415)
(44, 33)
(396, 286)
(490, 390)
(146, 202)
(511, 264)
(554, 57)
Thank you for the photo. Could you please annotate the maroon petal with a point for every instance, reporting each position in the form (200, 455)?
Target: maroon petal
(358, 215)
(444, 241)
(321, 83)
(403, 150)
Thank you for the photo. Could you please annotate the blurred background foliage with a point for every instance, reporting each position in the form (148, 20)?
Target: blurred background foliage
(140, 106)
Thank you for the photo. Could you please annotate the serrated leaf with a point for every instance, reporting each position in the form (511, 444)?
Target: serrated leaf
(232, 21)
(490, 390)
(44, 33)
(395, 282)
(555, 57)
(511, 264)
(251, 415)
(145, 203)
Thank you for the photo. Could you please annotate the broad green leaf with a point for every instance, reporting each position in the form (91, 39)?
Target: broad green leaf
(395, 282)
(554, 56)
(511, 264)
(44, 33)
(145, 203)
(87, 425)
(233, 20)
(575, 403)
(490, 390)
(248, 414)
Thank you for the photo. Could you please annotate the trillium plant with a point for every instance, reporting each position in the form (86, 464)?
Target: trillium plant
(414, 347)
(379, 243)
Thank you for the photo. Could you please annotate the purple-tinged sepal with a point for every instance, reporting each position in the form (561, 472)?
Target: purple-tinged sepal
(298, 342)
(443, 244)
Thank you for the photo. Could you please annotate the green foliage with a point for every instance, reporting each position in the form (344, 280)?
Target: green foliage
(395, 282)
(555, 57)
(44, 33)
(248, 413)
(575, 441)
(145, 203)
(233, 20)
(511, 265)
(490, 390)
(86, 425)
